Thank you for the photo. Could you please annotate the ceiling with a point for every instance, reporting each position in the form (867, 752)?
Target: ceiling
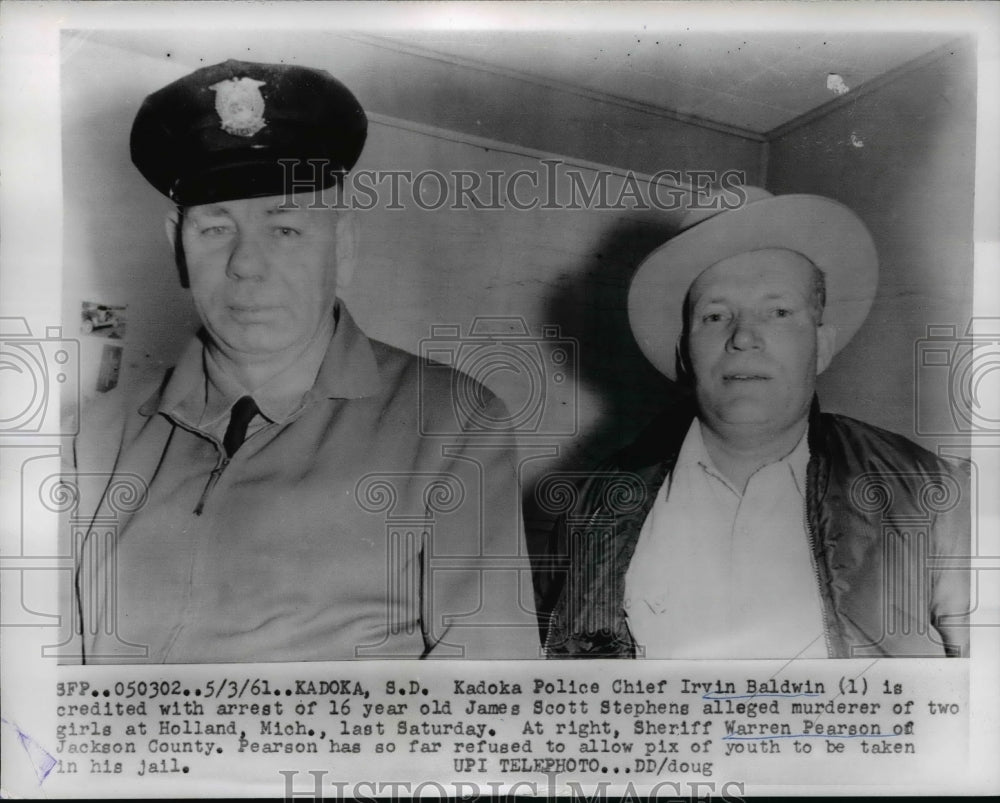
(751, 81)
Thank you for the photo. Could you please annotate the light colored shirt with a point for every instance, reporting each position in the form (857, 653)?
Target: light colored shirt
(719, 574)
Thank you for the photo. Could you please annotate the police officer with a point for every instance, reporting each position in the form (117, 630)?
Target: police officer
(290, 507)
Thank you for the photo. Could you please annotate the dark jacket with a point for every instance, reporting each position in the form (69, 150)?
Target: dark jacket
(884, 518)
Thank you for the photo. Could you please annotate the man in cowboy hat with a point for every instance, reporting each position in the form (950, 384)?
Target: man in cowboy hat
(286, 505)
(757, 526)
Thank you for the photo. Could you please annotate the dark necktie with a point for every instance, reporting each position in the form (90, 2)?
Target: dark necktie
(242, 414)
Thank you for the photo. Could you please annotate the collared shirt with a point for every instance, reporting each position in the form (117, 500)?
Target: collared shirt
(339, 532)
(277, 399)
(719, 574)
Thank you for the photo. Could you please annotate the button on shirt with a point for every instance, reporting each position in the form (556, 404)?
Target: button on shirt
(717, 574)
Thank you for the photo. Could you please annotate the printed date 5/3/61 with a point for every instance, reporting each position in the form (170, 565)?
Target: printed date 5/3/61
(151, 689)
(224, 689)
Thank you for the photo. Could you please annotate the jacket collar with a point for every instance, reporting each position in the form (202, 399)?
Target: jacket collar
(818, 471)
(348, 371)
(694, 454)
(652, 456)
(660, 441)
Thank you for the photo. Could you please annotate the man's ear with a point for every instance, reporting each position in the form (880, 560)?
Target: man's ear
(172, 225)
(826, 343)
(347, 247)
(681, 364)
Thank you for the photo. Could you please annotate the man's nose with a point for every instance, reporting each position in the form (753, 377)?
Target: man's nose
(246, 260)
(745, 334)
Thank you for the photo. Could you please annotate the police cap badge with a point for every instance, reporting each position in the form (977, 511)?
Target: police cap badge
(246, 130)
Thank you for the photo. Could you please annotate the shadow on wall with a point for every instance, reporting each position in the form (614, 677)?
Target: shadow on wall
(594, 311)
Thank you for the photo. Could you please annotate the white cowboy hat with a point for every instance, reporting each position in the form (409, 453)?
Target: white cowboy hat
(825, 231)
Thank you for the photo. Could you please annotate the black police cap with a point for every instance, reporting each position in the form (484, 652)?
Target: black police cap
(246, 130)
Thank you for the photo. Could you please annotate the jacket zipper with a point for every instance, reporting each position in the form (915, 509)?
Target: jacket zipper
(815, 566)
(213, 478)
(224, 461)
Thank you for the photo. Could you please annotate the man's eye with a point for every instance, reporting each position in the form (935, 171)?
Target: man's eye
(782, 312)
(286, 231)
(713, 317)
(215, 230)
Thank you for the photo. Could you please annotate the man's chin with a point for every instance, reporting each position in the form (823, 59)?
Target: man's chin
(741, 398)
(749, 412)
(256, 340)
